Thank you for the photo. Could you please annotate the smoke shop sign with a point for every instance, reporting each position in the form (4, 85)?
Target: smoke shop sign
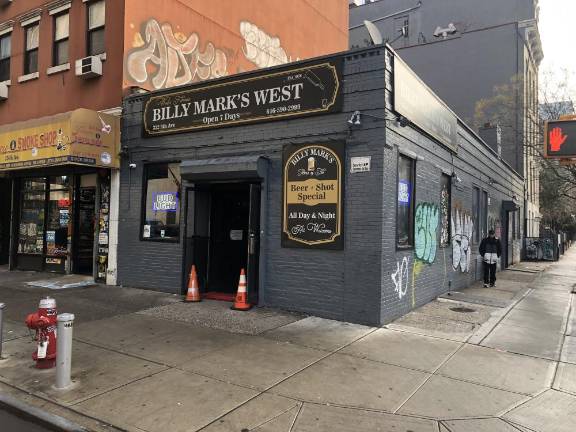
(305, 90)
(312, 214)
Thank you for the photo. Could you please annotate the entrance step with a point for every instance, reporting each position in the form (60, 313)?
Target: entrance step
(218, 315)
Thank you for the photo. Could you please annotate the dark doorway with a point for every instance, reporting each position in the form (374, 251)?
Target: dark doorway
(228, 237)
(509, 238)
(222, 237)
(5, 211)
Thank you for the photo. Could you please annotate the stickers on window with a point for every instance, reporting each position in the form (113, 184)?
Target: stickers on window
(403, 192)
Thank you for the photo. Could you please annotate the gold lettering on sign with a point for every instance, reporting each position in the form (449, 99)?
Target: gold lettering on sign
(312, 192)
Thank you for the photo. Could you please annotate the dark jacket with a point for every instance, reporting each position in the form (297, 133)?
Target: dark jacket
(491, 245)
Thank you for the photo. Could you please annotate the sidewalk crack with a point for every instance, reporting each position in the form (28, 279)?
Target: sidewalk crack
(411, 395)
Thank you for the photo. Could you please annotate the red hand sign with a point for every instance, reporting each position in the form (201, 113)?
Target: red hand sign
(556, 139)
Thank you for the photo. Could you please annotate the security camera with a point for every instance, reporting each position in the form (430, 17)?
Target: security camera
(402, 121)
(132, 165)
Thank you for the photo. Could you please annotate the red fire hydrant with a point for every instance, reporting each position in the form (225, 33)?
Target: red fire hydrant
(44, 322)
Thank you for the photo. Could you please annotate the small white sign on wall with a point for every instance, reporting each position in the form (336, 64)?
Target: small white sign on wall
(360, 164)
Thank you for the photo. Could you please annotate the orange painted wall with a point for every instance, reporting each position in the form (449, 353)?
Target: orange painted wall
(62, 92)
(174, 42)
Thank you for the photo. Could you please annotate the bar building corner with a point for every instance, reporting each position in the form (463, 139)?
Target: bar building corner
(343, 185)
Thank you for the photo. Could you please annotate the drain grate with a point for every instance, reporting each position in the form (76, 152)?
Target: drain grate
(462, 309)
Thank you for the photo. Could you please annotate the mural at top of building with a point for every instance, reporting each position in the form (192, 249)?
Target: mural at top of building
(162, 58)
(177, 43)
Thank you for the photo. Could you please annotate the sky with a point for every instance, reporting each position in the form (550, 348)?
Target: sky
(557, 26)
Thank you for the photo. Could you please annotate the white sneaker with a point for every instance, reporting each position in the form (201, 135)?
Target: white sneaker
(485, 285)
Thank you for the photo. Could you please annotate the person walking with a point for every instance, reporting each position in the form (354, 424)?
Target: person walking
(490, 250)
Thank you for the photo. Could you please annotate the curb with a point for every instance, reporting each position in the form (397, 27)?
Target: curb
(37, 415)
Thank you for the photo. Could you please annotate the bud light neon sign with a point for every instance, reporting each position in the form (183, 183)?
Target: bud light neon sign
(165, 201)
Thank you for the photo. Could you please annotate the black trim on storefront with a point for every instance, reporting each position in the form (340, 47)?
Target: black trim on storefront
(251, 169)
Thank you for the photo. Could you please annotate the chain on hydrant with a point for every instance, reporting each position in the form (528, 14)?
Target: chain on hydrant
(44, 322)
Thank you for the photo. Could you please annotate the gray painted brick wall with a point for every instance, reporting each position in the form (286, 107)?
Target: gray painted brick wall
(354, 284)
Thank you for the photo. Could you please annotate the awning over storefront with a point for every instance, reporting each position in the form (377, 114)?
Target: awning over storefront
(80, 137)
(510, 206)
(238, 167)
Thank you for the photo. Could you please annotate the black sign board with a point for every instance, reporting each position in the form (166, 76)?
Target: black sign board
(415, 101)
(300, 90)
(560, 139)
(313, 193)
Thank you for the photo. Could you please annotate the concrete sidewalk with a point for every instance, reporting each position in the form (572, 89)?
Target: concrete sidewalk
(501, 359)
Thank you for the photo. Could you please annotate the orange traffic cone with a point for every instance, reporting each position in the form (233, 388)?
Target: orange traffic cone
(241, 302)
(193, 294)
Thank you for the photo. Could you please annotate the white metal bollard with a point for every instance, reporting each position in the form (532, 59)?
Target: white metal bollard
(2, 306)
(64, 350)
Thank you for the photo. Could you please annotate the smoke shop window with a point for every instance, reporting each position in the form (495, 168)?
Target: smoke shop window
(161, 213)
(96, 27)
(58, 216)
(5, 52)
(405, 202)
(32, 213)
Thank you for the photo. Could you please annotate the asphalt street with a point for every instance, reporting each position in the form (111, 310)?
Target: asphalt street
(11, 423)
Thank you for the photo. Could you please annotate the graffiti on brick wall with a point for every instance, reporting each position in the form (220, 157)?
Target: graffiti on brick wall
(498, 229)
(547, 249)
(162, 58)
(260, 48)
(534, 248)
(426, 232)
(445, 215)
(462, 230)
(417, 268)
(494, 224)
(400, 277)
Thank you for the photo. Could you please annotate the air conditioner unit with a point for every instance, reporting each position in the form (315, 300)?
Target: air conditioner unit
(3, 91)
(89, 67)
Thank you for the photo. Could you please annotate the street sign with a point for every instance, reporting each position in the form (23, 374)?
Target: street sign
(560, 139)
